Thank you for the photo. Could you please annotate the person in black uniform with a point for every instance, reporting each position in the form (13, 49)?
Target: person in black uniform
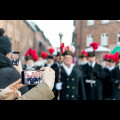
(115, 81)
(94, 76)
(108, 66)
(56, 64)
(72, 85)
(84, 62)
(50, 61)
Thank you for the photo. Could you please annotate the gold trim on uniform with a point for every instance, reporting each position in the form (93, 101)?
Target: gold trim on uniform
(67, 78)
(73, 87)
(67, 95)
(73, 96)
(73, 79)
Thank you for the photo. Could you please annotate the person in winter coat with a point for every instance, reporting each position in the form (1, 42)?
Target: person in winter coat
(8, 74)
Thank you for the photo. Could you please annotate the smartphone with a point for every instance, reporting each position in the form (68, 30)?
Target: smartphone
(31, 77)
(15, 58)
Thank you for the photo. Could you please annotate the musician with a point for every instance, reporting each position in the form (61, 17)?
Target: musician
(72, 85)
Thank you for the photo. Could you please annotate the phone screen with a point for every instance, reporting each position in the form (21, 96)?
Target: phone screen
(31, 77)
(15, 58)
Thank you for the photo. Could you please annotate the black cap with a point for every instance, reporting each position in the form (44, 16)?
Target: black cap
(58, 54)
(68, 52)
(29, 58)
(91, 54)
(83, 55)
(5, 43)
(50, 57)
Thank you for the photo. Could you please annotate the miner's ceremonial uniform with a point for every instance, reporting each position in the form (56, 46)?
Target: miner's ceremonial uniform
(94, 76)
(107, 88)
(115, 81)
(73, 85)
(96, 73)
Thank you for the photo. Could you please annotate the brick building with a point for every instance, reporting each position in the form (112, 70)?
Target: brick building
(105, 32)
(23, 35)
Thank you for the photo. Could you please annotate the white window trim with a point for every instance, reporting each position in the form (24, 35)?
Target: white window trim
(105, 21)
(87, 40)
(102, 40)
(89, 24)
(118, 43)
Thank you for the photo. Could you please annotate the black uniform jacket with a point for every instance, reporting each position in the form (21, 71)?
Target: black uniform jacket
(115, 80)
(73, 85)
(97, 74)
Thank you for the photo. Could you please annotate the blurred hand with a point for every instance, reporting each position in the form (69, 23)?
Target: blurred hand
(11, 92)
(19, 67)
(48, 76)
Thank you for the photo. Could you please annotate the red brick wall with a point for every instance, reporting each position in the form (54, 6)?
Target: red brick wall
(96, 30)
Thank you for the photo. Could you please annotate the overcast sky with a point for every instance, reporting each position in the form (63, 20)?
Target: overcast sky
(52, 28)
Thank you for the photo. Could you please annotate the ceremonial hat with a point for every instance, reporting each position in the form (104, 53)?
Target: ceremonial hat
(44, 55)
(94, 45)
(31, 54)
(84, 54)
(106, 57)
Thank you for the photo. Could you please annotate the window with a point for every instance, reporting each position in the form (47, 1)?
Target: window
(118, 39)
(105, 21)
(104, 39)
(90, 22)
(89, 40)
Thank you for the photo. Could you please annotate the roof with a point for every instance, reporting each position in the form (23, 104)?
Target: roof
(100, 49)
(35, 28)
(116, 49)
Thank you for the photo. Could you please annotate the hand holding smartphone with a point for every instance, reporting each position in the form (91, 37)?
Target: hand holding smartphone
(31, 77)
(15, 58)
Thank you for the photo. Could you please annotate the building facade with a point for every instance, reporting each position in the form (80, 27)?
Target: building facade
(23, 36)
(105, 32)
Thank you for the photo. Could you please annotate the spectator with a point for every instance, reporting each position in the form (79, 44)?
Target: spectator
(8, 74)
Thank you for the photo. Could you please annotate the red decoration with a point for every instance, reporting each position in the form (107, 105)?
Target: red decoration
(51, 50)
(44, 55)
(111, 56)
(116, 57)
(94, 45)
(34, 55)
(62, 47)
(83, 52)
(29, 52)
(106, 56)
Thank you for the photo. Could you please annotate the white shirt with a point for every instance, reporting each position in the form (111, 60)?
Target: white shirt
(119, 66)
(49, 65)
(68, 70)
(84, 62)
(92, 64)
(111, 68)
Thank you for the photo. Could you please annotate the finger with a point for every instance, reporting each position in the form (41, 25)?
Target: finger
(16, 83)
(15, 66)
(42, 69)
(20, 86)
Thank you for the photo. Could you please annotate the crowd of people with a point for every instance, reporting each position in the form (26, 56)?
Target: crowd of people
(64, 77)
(84, 79)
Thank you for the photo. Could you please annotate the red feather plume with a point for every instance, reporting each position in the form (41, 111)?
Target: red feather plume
(51, 50)
(116, 57)
(83, 52)
(94, 45)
